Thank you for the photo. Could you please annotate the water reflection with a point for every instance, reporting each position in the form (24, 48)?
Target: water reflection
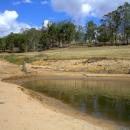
(103, 99)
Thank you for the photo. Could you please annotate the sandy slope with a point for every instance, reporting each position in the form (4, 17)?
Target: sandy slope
(19, 111)
(7, 69)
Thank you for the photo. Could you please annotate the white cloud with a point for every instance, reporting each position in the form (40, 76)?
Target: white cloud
(44, 2)
(46, 22)
(102, 7)
(9, 23)
(27, 1)
(22, 2)
(86, 8)
(79, 9)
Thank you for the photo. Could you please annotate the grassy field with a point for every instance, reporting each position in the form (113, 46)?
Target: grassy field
(107, 52)
(84, 53)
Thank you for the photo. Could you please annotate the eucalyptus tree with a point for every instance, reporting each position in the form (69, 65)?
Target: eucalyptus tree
(65, 32)
(52, 34)
(103, 36)
(91, 29)
(2, 44)
(10, 41)
(118, 22)
(44, 39)
(22, 43)
(113, 23)
(125, 20)
(80, 34)
(69, 30)
(32, 38)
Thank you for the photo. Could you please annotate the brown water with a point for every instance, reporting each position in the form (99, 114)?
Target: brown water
(108, 99)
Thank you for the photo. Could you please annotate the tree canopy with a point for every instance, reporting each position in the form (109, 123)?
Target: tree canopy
(114, 29)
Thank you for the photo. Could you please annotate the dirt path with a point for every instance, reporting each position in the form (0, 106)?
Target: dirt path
(7, 69)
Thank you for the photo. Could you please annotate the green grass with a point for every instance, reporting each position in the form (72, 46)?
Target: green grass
(18, 59)
(84, 53)
(110, 52)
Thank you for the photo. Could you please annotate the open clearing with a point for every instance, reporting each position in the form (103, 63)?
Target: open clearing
(121, 52)
(51, 63)
(109, 59)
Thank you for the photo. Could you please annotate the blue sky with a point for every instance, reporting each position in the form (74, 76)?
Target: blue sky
(17, 14)
(33, 13)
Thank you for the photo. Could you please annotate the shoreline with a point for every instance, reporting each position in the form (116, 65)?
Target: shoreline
(53, 104)
(47, 75)
(14, 92)
(62, 107)
(18, 109)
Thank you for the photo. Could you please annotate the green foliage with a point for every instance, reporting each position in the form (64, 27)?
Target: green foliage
(79, 35)
(57, 34)
(13, 59)
(114, 30)
(91, 31)
(2, 44)
(44, 40)
(103, 35)
(10, 41)
(117, 25)
(19, 59)
(32, 39)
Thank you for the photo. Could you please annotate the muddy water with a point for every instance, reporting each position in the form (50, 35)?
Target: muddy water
(108, 99)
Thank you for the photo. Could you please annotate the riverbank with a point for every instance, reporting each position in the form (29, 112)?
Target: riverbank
(99, 60)
(19, 110)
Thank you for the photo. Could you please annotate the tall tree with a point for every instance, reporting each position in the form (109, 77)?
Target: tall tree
(32, 37)
(125, 15)
(117, 23)
(103, 36)
(2, 44)
(91, 31)
(52, 34)
(44, 39)
(65, 32)
(79, 34)
(10, 41)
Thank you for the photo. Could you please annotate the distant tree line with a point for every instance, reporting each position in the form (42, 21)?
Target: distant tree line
(113, 30)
